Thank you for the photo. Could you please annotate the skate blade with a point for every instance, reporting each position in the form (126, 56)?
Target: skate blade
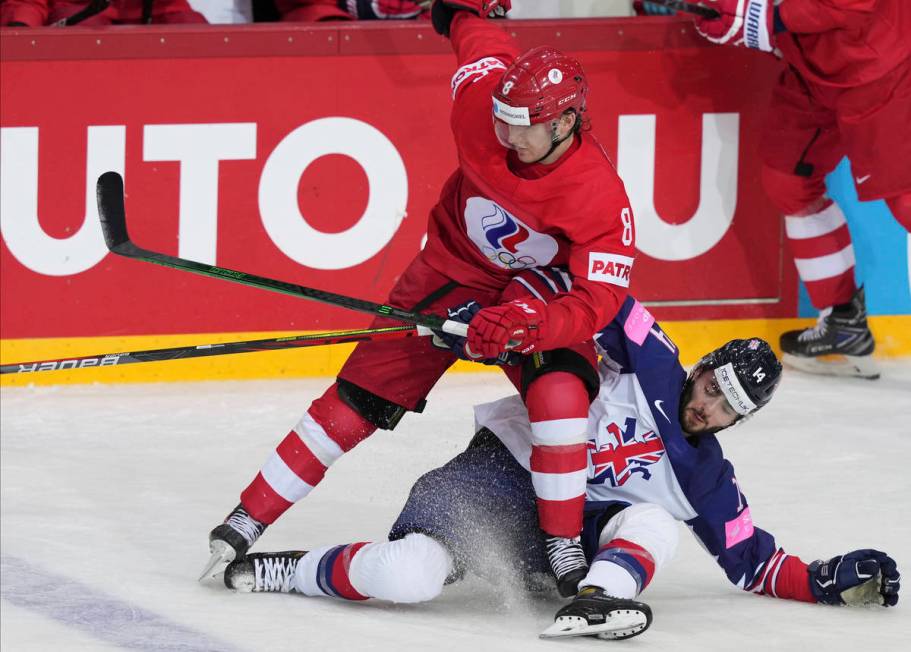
(854, 366)
(222, 555)
(622, 623)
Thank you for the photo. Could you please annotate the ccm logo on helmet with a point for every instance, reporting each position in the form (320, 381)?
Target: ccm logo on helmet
(609, 268)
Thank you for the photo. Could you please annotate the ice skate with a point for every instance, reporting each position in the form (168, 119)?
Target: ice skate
(840, 344)
(231, 540)
(567, 560)
(264, 572)
(595, 613)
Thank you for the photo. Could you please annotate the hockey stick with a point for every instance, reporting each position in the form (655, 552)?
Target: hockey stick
(93, 8)
(113, 225)
(689, 7)
(226, 348)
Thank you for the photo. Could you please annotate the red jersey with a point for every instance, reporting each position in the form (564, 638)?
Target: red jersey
(845, 42)
(497, 217)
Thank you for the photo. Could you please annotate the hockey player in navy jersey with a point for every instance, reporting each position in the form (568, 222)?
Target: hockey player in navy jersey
(653, 460)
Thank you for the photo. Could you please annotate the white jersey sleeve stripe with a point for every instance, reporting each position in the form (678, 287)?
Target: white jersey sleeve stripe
(559, 486)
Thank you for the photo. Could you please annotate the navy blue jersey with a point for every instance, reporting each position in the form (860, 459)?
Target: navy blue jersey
(638, 453)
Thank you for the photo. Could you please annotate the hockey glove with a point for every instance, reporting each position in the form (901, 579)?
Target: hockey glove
(381, 9)
(646, 8)
(514, 326)
(858, 578)
(443, 10)
(742, 22)
(465, 313)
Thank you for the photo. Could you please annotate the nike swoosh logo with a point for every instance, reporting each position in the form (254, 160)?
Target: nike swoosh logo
(860, 180)
(661, 409)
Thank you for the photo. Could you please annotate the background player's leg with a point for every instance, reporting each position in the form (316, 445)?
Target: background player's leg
(802, 143)
(901, 209)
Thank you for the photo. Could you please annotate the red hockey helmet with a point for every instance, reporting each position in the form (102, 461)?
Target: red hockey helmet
(540, 86)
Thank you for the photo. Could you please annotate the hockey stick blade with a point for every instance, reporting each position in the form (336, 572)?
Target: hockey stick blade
(111, 210)
(690, 7)
(113, 224)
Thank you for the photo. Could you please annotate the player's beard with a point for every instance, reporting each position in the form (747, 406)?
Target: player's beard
(684, 416)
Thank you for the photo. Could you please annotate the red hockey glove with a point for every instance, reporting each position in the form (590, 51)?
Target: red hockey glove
(443, 10)
(381, 9)
(514, 326)
(742, 22)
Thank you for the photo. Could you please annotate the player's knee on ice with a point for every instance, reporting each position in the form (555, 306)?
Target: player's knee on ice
(650, 526)
(646, 526)
(412, 569)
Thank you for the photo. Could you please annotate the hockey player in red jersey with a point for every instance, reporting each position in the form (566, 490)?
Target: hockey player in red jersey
(846, 91)
(533, 188)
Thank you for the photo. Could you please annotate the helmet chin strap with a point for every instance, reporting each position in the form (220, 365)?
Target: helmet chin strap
(555, 140)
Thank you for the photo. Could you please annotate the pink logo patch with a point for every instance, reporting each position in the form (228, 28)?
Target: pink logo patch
(638, 323)
(738, 529)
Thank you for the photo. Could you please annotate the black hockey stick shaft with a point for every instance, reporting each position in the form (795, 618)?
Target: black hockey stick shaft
(113, 224)
(93, 8)
(689, 7)
(205, 350)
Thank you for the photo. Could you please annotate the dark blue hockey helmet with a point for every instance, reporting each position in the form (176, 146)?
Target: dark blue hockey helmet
(747, 371)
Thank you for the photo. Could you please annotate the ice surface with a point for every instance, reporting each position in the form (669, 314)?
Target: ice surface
(108, 494)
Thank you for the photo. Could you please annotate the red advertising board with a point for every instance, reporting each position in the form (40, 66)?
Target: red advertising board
(284, 151)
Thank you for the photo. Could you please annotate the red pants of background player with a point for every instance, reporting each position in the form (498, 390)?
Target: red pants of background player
(809, 130)
(403, 372)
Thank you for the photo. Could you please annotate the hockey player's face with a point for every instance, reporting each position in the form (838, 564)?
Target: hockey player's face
(705, 409)
(530, 142)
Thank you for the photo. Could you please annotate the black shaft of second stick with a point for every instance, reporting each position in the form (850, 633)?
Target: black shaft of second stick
(204, 350)
(113, 225)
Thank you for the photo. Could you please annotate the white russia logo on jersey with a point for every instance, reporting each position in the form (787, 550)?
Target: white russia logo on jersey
(609, 268)
(475, 71)
(504, 239)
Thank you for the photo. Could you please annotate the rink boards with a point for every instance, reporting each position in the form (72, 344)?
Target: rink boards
(313, 154)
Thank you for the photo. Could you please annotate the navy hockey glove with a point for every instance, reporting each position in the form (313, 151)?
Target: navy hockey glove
(459, 345)
(443, 10)
(646, 8)
(861, 577)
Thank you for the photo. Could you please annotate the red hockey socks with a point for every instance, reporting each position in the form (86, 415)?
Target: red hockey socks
(327, 430)
(557, 405)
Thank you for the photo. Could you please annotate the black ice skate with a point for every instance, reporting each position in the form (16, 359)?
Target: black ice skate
(264, 572)
(567, 561)
(595, 613)
(231, 540)
(840, 343)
